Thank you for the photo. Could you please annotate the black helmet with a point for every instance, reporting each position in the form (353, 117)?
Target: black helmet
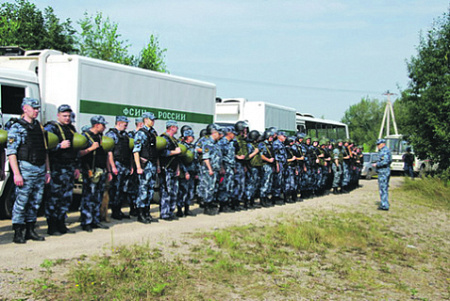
(211, 127)
(273, 130)
(253, 135)
(240, 126)
(203, 133)
(266, 135)
(289, 140)
(184, 128)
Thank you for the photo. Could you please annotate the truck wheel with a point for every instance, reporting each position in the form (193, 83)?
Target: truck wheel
(7, 199)
(369, 175)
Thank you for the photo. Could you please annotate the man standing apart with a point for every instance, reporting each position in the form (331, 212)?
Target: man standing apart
(384, 172)
(64, 170)
(120, 161)
(27, 153)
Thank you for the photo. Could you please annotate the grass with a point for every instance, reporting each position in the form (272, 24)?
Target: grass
(322, 254)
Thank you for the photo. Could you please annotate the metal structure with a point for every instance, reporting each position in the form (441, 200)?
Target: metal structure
(388, 114)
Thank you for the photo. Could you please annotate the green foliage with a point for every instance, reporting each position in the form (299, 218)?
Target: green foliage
(428, 96)
(152, 56)
(364, 121)
(23, 24)
(99, 38)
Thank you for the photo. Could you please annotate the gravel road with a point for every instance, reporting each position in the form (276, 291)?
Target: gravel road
(21, 263)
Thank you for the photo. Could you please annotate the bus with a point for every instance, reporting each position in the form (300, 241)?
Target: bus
(317, 127)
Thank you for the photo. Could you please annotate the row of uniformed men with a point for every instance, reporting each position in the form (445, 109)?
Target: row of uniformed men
(231, 168)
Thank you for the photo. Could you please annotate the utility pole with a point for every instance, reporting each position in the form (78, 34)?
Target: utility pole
(388, 113)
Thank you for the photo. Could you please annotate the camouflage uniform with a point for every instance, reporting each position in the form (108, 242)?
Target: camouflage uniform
(145, 145)
(265, 148)
(32, 169)
(170, 166)
(226, 186)
(122, 160)
(187, 187)
(63, 163)
(209, 182)
(279, 177)
(384, 173)
(92, 190)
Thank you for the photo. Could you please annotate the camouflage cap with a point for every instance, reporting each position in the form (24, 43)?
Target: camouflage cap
(98, 119)
(33, 102)
(149, 115)
(379, 141)
(64, 108)
(139, 119)
(122, 118)
(170, 123)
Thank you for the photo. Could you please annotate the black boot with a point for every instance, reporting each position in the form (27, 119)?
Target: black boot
(294, 197)
(115, 213)
(335, 190)
(133, 210)
(31, 233)
(52, 227)
(246, 206)
(210, 209)
(188, 212)
(19, 234)
(141, 216)
(62, 228)
(180, 211)
(344, 189)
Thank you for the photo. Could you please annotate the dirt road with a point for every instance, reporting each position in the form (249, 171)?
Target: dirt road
(21, 263)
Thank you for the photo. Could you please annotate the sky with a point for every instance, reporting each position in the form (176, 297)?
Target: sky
(318, 56)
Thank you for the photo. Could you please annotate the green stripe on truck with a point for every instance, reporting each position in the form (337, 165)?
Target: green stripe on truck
(111, 109)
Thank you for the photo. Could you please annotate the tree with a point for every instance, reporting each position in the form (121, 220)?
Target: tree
(23, 24)
(364, 121)
(428, 96)
(99, 38)
(152, 56)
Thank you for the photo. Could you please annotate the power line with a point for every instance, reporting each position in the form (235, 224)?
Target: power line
(261, 83)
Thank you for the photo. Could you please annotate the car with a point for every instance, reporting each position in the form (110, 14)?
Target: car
(368, 170)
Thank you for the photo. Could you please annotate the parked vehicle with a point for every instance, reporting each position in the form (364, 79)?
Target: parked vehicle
(259, 115)
(95, 87)
(368, 171)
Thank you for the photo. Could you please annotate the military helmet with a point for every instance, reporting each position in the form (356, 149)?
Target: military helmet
(253, 135)
(289, 140)
(240, 126)
(184, 128)
(211, 127)
(202, 133)
(315, 139)
(307, 137)
(266, 135)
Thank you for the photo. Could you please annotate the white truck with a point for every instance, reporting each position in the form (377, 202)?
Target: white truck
(259, 115)
(398, 146)
(94, 87)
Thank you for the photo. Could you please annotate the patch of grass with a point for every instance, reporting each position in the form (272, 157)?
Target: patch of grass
(130, 273)
(430, 192)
